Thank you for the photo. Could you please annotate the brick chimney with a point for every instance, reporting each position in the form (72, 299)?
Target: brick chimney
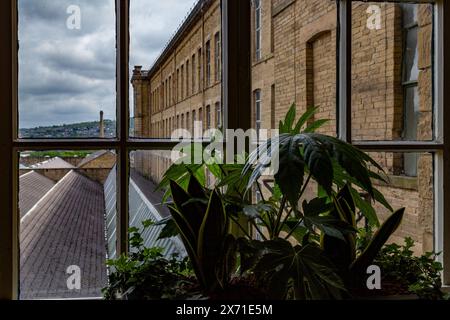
(102, 126)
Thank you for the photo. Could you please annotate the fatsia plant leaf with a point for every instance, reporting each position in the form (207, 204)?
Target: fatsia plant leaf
(313, 257)
(318, 160)
(297, 231)
(283, 262)
(316, 206)
(181, 174)
(331, 226)
(291, 171)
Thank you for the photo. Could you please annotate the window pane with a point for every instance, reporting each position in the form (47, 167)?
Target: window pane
(146, 202)
(413, 191)
(67, 68)
(183, 54)
(298, 61)
(392, 71)
(67, 203)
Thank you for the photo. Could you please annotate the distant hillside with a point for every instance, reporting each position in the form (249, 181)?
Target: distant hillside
(75, 130)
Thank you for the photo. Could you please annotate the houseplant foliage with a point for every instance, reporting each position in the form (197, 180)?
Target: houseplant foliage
(419, 275)
(307, 247)
(146, 274)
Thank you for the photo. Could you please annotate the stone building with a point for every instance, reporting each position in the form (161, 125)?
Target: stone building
(294, 60)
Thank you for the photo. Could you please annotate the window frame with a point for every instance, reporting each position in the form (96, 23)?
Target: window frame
(258, 29)
(234, 43)
(257, 97)
(236, 95)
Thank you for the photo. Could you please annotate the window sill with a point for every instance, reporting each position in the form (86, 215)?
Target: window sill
(400, 182)
(262, 60)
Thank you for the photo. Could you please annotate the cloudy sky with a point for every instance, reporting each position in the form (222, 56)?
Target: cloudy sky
(67, 75)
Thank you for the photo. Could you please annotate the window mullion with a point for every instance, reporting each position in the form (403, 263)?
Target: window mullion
(9, 253)
(442, 117)
(122, 16)
(344, 70)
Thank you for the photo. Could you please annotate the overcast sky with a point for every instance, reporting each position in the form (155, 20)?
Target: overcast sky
(68, 75)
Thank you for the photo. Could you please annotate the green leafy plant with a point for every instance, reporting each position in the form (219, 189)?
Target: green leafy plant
(344, 252)
(204, 227)
(324, 227)
(308, 247)
(146, 274)
(420, 275)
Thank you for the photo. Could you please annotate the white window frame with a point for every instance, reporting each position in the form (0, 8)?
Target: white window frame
(258, 29)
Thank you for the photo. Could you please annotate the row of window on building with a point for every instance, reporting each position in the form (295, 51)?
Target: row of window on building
(188, 80)
(195, 120)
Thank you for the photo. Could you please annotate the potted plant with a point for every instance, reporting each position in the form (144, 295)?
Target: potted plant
(308, 244)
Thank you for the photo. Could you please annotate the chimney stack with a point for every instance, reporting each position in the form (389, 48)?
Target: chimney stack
(102, 126)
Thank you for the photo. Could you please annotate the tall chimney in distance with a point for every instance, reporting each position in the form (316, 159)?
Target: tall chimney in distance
(102, 126)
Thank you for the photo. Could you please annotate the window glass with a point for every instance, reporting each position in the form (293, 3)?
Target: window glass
(175, 64)
(67, 69)
(414, 192)
(67, 210)
(147, 204)
(392, 71)
(298, 61)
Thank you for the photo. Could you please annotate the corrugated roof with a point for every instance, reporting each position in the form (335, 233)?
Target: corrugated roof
(148, 188)
(54, 163)
(142, 208)
(66, 228)
(111, 212)
(92, 157)
(32, 187)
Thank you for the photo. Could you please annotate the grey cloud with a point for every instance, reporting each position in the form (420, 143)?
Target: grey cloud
(67, 76)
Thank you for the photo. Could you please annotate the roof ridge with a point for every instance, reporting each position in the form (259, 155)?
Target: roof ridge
(45, 196)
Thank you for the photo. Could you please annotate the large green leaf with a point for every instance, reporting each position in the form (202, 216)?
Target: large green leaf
(318, 161)
(169, 229)
(304, 119)
(286, 126)
(379, 239)
(226, 264)
(291, 171)
(366, 208)
(283, 263)
(342, 251)
(316, 206)
(316, 125)
(211, 235)
(331, 226)
(193, 211)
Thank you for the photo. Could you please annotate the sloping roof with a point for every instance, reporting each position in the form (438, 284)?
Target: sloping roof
(92, 157)
(22, 166)
(142, 208)
(32, 187)
(148, 188)
(65, 229)
(54, 163)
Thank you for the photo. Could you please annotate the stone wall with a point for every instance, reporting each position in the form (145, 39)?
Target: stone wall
(29, 161)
